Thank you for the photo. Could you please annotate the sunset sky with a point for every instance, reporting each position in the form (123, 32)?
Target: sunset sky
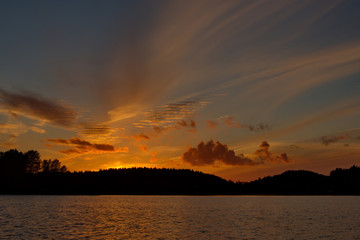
(239, 89)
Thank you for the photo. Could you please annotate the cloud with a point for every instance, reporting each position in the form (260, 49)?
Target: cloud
(7, 141)
(210, 152)
(37, 107)
(144, 148)
(94, 129)
(18, 128)
(141, 136)
(81, 146)
(171, 114)
(155, 131)
(154, 157)
(265, 155)
(211, 124)
(258, 127)
(183, 123)
(339, 110)
(229, 122)
(327, 140)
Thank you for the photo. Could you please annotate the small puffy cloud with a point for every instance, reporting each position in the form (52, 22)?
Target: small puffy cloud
(190, 123)
(143, 148)
(211, 124)
(229, 121)
(37, 107)
(210, 152)
(327, 140)
(81, 146)
(265, 155)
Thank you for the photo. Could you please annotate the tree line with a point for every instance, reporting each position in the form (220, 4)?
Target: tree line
(14, 163)
(27, 173)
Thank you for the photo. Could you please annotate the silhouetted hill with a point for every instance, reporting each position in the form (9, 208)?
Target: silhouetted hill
(290, 182)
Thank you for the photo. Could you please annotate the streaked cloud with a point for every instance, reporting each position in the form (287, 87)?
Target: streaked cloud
(156, 131)
(38, 107)
(327, 140)
(95, 129)
(171, 114)
(141, 136)
(81, 146)
(231, 122)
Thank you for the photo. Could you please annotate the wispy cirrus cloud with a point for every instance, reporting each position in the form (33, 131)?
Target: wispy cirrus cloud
(327, 140)
(38, 107)
(171, 114)
(231, 122)
(156, 131)
(81, 146)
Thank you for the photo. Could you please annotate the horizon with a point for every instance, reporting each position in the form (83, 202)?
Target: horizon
(237, 89)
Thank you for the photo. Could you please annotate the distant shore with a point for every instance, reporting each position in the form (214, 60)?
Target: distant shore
(162, 181)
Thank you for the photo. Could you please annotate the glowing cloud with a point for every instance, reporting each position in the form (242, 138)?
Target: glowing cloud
(81, 146)
(265, 155)
(210, 152)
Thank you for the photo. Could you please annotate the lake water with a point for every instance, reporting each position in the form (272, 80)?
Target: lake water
(179, 217)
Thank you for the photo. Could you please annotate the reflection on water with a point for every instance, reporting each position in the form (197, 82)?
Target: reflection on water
(179, 217)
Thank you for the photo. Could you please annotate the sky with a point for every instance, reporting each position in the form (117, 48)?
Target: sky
(239, 89)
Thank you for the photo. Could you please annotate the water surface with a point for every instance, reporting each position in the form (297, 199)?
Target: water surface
(179, 217)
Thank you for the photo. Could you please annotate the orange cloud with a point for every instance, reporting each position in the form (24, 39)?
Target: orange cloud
(154, 157)
(140, 136)
(157, 130)
(264, 154)
(211, 124)
(229, 122)
(143, 148)
(210, 152)
(81, 146)
(191, 123)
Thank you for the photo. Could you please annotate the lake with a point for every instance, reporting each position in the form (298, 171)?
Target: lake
(179, 217)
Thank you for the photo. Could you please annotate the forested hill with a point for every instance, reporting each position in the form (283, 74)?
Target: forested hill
(340, 181)
(26, 173)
